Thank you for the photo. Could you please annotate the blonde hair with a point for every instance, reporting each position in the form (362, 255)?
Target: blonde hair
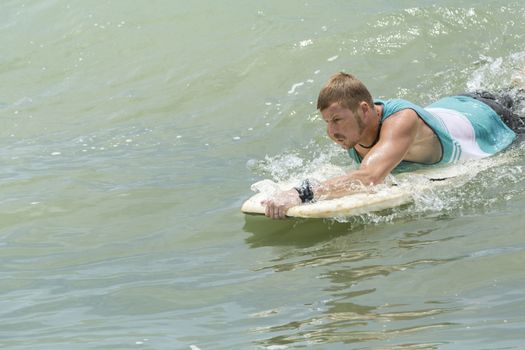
(345, 89)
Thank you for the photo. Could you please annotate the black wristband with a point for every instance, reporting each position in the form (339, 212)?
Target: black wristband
(305, 191)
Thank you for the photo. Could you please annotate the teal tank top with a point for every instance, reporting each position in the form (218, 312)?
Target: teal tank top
(465, 127)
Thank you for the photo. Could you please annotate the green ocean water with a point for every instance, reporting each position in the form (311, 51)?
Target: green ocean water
(132, 131)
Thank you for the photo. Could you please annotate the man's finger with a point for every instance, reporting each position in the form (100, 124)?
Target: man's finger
(282, 213)
(268, 209)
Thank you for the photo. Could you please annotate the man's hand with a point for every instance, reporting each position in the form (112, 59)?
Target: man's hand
(278, 205)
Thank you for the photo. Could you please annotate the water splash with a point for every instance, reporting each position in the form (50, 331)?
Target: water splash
(485, 184)
(494, 74)
(325, 162)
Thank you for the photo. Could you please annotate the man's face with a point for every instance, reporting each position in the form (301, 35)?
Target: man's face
(342, 125)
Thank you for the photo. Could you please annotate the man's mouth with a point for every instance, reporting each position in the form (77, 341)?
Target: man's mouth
(339, 138)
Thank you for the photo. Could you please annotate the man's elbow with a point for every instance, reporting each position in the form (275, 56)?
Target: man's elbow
(375, 180)
(370, 179)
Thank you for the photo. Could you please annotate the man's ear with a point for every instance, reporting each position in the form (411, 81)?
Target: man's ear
(365, 108)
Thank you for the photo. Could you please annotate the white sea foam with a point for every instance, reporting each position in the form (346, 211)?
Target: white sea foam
(304, 43)
(495, 73)
(486, 183)
(320, 164)
(294, 87)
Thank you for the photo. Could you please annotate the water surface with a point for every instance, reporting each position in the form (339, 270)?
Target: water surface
(131, 132)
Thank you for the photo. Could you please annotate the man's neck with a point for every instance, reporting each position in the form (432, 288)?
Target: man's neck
(373, 130)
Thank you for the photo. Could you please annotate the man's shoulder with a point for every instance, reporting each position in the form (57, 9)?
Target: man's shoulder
(400, 103)
(403, 119)
(398, 106)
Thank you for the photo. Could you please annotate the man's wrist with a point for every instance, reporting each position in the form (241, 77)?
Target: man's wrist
(305, 191)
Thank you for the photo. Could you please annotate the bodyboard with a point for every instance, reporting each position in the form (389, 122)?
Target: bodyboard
(400, 190)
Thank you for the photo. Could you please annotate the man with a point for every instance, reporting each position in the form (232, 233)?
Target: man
(382, 134)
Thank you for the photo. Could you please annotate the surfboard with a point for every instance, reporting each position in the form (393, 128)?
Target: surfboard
(399, 190)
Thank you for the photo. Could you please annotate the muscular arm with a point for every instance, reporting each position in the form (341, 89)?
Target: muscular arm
(397, 135)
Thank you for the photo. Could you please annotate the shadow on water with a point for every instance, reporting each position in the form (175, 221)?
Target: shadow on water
(295, 232)
(303, 233)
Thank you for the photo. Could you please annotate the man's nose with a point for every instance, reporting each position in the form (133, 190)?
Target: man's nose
(330, 130)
